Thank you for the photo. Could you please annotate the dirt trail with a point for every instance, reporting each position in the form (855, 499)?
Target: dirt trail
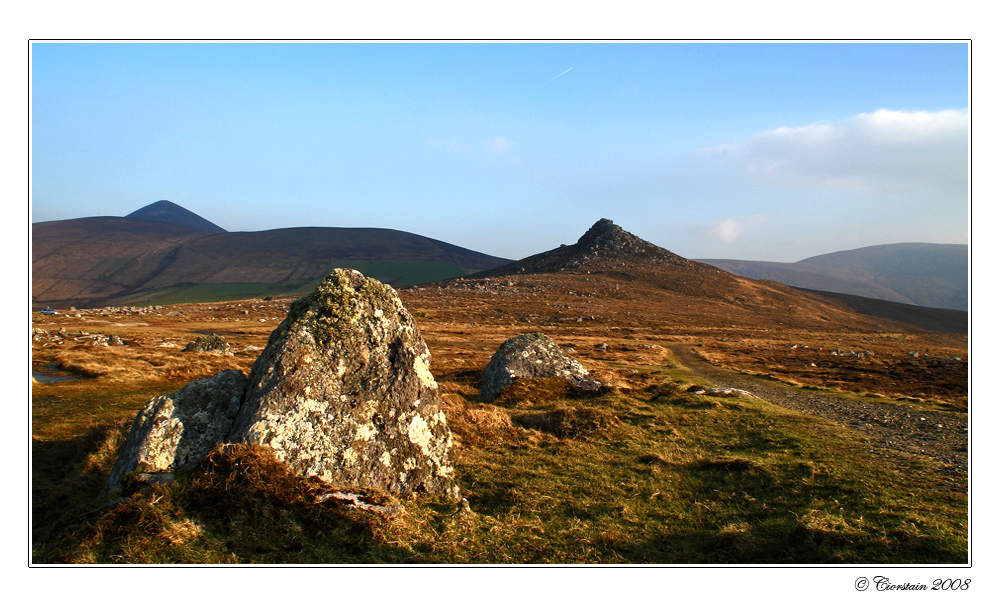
(941, 435)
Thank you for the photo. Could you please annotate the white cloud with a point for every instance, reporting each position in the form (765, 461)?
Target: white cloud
(727, 230)
(889, 151)
(499, 145)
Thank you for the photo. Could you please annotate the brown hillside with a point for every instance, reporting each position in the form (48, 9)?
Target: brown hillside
(610, 272)
(99, 257)
(107, 260)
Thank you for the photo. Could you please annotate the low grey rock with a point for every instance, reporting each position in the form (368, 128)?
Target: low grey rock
(529, 356)
(178, 430)
(209, 343)
(725, 392)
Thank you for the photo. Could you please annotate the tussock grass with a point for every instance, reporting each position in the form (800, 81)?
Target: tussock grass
(240, 505)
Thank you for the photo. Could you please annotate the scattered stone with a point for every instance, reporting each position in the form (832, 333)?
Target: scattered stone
(210, 343)
(355, 500)
(464, 511)
(528, 356)
(178, 430)
(727, 392)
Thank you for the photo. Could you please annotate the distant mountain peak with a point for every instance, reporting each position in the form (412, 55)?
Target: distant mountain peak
(605, 238)
(604, 247)
(164, 211)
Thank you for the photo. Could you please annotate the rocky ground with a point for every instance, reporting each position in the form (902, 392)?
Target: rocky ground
(942, 435)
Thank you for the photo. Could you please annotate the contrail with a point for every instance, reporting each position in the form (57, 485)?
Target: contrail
(558, 75)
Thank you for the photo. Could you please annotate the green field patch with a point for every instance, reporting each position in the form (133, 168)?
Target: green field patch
(401, 272)
(397, 273)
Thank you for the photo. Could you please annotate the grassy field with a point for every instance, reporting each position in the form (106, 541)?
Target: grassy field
(645, 474)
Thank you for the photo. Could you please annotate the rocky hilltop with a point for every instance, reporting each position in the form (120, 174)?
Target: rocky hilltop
(610, 273)
(604, 247)
(608, 250)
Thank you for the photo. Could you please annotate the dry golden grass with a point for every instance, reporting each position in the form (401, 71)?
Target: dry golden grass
(645, 473)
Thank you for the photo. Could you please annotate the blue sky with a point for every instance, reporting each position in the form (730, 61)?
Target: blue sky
(772, 151)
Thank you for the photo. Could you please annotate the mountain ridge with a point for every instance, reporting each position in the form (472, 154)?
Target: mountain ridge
(93, 261)
(925, 274)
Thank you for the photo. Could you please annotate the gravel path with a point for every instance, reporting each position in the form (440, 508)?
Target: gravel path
(938, 434)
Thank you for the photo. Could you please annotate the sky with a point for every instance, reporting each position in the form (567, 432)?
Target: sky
(758, 151)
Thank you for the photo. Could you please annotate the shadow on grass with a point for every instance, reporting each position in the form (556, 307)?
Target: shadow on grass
(751, 514)
(67, 478)
(790, 541)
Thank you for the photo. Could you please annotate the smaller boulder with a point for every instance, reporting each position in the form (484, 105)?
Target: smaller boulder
(530, 356)
(178, 430)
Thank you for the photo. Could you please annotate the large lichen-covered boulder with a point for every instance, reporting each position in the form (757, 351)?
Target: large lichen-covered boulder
(529, 356)
(178, 430)
(343, 392)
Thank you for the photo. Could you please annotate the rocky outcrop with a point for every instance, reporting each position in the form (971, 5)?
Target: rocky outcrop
(210, 343)
(528, 356)
(178, 430)
(343, 392)
(604, 247)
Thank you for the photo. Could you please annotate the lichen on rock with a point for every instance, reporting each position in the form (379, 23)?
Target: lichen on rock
(528, 356)
(343, 391)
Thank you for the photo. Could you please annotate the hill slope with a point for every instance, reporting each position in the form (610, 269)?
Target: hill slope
(923, 274)
(130, 260)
